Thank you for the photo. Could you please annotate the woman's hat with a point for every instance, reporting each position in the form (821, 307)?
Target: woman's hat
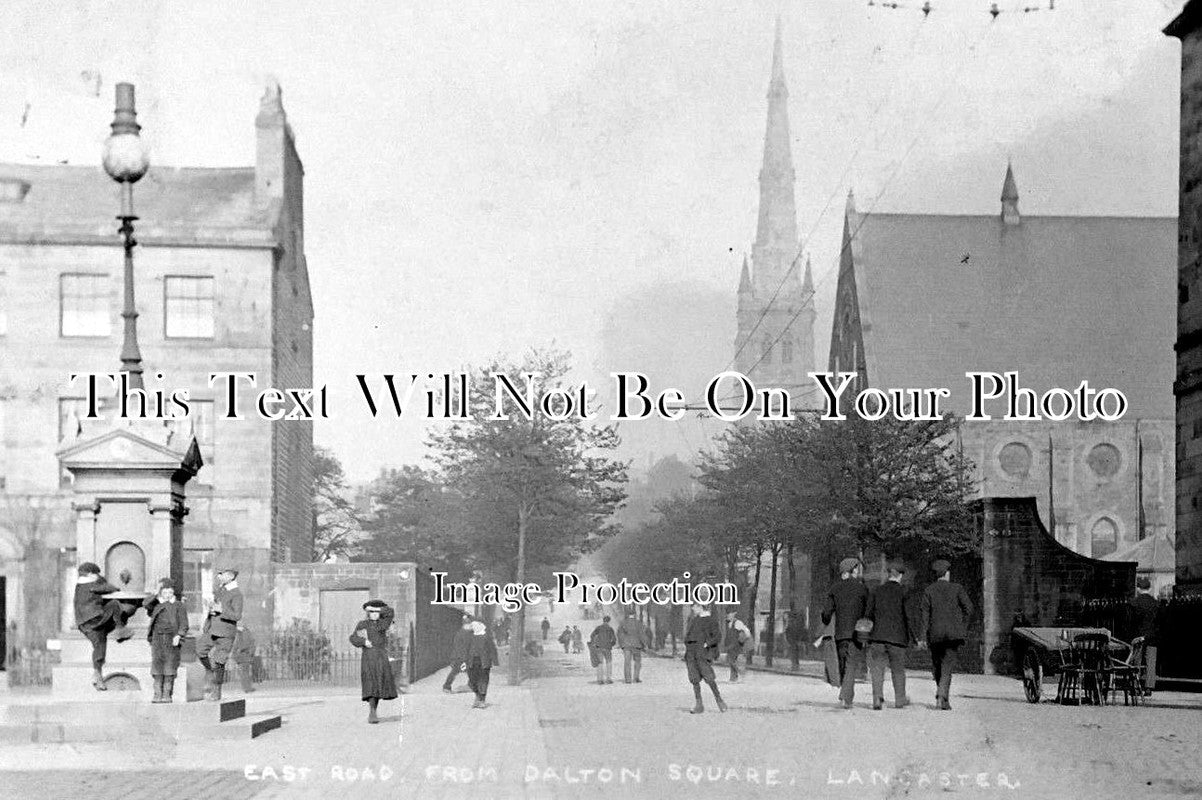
(88, 568)
(166, 583)
(848, 564)
(897, 566)
(375, 605)
(229, 570)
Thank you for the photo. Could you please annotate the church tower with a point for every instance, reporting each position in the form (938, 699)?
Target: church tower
(775, 341)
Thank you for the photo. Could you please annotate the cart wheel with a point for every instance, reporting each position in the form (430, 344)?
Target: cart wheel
(1032, 676)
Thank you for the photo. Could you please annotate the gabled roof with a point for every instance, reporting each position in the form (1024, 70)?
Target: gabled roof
(1154, 554)
(1058, 299)
(72, 202)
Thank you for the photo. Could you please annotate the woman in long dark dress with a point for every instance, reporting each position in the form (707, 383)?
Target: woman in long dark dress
(375, 671)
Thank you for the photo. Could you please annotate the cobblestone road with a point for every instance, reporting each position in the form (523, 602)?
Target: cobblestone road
(560, 736)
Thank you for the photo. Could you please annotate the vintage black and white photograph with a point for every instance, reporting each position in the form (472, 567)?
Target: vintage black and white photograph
(627, 398)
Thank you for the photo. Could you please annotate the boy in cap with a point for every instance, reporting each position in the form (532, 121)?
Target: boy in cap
(481, 657)
(944, 626)
(97, 617)
(602, 641)
(221, 625)
(737, 638)
(846, 604)
(891, 635)
(700, 647)
(168, 626)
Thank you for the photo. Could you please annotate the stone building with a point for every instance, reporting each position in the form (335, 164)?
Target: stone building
(1188, 28)
(922, 299)
(221, 285)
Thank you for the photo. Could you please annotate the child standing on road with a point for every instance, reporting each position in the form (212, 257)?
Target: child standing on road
(375, 671)
(168, 626)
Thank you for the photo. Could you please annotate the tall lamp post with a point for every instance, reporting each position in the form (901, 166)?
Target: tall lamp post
(126, 161)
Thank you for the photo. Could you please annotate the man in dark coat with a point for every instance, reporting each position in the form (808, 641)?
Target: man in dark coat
(458, 652)
(97, 617)
(1143, 619)
(168, 626)
(216, 641)
(795, 636)
(481, 657)
(946, 610)
(846, 604)
(546, 626)
(633, 639)
(701, 639)
(891, 635)
(602, 641)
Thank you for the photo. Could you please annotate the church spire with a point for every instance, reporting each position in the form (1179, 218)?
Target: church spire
(777, 226)
(745, 278)
(1010, 213)
(807, 284)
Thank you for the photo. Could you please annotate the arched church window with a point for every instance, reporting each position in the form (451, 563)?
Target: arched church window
(1104, 538)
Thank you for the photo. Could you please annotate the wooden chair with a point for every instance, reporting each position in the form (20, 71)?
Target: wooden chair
(1085, 671)
(1130, 674)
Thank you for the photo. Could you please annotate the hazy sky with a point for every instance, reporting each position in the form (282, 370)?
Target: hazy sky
(486, 176)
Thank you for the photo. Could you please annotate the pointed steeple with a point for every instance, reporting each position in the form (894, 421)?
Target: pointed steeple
(807, 284)
(1010, 213)
(777, 226)
(745, 278)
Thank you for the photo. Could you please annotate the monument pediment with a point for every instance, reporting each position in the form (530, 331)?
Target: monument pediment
(144, 446)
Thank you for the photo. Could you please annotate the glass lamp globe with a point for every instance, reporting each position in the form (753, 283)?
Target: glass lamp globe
(125, 157)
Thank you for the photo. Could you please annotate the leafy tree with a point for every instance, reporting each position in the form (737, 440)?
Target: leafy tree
(537, 491)
(336, 526)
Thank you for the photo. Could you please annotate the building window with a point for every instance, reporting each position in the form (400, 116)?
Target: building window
(1015, 460)
(1104, 538)
(786, 351)
(198, 579)
(188, 307)
(84, 304)
(1104, 460)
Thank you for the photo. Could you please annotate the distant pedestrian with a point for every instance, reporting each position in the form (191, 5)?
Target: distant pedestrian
(546, 626)
(481, 658)
(565, 638)
(701, 639)
(846, 605)
(602, 642)
(458, 653)
(375, 670)
(577, 639)
(795, 636)
(891, 635)
(97, 617)
(944, 627)
(738, 637)
(168, 626)
(633, 639)
(244, 656)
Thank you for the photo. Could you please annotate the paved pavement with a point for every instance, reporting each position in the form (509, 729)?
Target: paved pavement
(560, 736)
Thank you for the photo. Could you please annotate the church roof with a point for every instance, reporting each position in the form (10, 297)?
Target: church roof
(47, 203)
(1057, 299)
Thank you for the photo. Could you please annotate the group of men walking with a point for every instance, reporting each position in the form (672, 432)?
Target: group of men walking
(881, 623)
(632, 637)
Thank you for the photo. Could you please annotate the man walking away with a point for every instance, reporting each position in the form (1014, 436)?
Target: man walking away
(700, 648)
(846, 604)
(945, 612)
(603, 640)
(481, 657)
(546, 626)
(891, 635)
(738, 637)
(565, 638)
(96, 617)
(459, 644)
(795, 636)
(577, 639)
(632, 638)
